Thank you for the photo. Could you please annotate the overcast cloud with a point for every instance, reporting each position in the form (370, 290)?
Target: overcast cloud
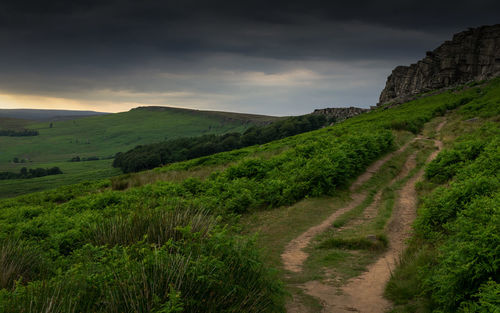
(288, 57)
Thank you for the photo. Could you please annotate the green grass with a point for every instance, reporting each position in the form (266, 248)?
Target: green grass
(280, 189)
(103, 136)
(335, 265)
(73, 172)
(351, 214)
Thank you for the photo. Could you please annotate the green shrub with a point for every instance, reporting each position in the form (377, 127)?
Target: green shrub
(470, 256)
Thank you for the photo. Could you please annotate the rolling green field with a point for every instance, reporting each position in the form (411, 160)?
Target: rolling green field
(73, 172)
(171, 242)
(102, 137)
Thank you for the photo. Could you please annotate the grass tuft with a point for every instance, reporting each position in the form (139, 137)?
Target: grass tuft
(156, 226)
(19, 263)
(379, 242)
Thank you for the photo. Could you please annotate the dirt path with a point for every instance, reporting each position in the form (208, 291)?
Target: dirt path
(371, 211)
(365, 292)
(372, 169)
(294, 256)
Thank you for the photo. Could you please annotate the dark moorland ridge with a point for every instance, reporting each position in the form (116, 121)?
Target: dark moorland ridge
(45, 115)
(471, 55)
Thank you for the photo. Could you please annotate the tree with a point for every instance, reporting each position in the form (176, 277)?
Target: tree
(24, 172)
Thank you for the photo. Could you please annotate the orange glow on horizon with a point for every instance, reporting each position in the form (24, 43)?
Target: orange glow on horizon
(15, 101)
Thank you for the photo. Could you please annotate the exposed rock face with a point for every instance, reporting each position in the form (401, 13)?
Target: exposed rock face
(340, 113)
(471, 55)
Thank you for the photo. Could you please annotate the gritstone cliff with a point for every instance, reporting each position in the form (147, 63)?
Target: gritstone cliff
(472, 55)
(340, 114)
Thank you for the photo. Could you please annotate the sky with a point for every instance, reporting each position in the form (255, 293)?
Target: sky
(263, 57)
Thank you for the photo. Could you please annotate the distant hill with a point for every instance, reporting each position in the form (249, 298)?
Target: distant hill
(100, 137)
(227, 116)
(45, 115)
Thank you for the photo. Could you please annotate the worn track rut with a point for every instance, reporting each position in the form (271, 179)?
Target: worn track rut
(363, 293)
(294, 256)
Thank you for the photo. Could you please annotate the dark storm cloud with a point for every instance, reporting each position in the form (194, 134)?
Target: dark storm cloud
(305, 51)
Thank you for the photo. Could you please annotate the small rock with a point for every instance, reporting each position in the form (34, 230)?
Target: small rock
(472, 119)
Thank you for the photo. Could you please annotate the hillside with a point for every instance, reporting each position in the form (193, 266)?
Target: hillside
(103, 136)
(175, 239)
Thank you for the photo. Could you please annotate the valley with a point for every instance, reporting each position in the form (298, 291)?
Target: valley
(100, 137)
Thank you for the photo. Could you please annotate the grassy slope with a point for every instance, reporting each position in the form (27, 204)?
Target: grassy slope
(104, 136)
(336, 265)
(452, 254)
(58, 217)
(409, 115)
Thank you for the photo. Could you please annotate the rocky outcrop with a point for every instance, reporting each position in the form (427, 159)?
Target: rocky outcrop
(340, 114)
(472, 55)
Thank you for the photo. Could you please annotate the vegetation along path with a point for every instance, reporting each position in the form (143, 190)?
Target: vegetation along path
(365, 292)
(294, 255)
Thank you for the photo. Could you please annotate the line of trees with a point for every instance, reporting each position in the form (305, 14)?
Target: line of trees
(181, 149)
(82, 159)
(25, 173)
(18, 160)
(18, 133)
